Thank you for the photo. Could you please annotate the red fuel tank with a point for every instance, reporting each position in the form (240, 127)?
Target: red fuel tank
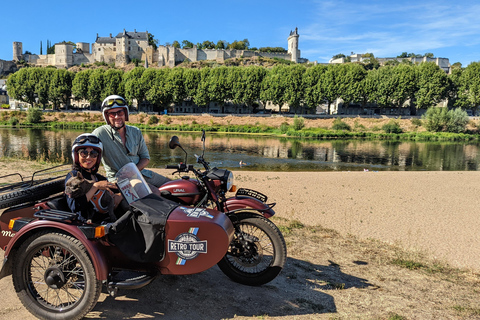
(195, 240)
(185, 191)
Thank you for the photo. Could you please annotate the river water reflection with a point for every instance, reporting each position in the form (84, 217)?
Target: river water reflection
(263, 153)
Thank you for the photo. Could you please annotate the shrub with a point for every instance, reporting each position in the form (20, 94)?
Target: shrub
(457, 121)
(284, 127)
(358, 126)
(298, 123)
(416, 122)
(5, 106)
(13, 121)
(152, 120)
(338, 124)
(442, 119)
(34, 115)
(392, 127)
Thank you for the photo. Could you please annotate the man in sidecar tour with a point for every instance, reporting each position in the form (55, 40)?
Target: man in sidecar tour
(89, 193)
(124, 143)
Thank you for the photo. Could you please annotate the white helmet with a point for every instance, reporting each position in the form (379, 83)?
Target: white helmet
(86, 140)
(113, 102)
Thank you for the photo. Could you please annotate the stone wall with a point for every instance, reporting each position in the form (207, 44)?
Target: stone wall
(7, 67)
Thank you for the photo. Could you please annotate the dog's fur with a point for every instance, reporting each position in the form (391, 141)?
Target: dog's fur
(78, 186)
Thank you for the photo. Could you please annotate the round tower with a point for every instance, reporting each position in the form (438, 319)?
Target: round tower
(17, 51)
(293, 45)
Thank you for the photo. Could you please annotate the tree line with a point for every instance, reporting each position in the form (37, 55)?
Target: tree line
(299, 86)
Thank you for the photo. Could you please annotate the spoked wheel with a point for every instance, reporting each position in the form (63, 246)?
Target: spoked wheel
(54, 277)
(257, 252)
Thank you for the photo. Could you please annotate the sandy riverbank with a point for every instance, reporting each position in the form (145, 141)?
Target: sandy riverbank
(434, 212)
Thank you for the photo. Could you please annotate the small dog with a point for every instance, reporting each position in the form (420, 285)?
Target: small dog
(102, 200)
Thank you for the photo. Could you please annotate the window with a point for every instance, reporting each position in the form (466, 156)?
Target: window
(138, 48)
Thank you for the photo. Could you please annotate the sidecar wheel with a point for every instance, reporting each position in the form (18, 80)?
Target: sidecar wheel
(54, 277)
(257, 252)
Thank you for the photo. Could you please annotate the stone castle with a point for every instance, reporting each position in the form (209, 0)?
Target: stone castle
(126, 46)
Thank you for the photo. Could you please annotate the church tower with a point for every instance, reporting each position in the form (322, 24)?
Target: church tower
(293, 45)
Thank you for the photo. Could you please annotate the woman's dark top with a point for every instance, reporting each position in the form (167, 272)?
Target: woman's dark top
(80, 205)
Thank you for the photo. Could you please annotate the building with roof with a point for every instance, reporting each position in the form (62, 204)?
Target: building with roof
(126, 46)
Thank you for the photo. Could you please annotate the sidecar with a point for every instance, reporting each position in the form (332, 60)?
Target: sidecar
(59, 264)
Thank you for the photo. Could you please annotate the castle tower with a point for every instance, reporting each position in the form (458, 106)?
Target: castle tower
(293, 45)
(63, 55)
(17, 51)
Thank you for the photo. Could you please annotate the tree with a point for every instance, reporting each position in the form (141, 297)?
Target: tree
(294, 90)
(80, 84)
(176, 44)
(429, 55)
(96, 86)
(350, 82)
(202, 97)
(312, 78)
(60, 89)
(191, 82)
(43, 86)
(338, 56)
(152, 41)
(273, 86)
(219, 88)
(432, 85)
(175, 85)
(186, 44)
(21, 85)
(134, 89)
(469, 86)
(113, 83)
(252, 77)
(221, 44)
(154, 83)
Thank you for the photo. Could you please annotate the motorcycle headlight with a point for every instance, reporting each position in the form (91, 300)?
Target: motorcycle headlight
(225, 176)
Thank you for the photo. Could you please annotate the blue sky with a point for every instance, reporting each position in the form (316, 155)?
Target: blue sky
(448, 29)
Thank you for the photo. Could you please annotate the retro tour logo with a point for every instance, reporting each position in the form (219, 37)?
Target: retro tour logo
(187, 246)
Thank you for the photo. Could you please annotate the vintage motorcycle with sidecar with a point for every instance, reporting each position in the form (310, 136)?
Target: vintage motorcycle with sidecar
(60, 264)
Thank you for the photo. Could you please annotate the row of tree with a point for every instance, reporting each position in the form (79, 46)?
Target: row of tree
(306, 86)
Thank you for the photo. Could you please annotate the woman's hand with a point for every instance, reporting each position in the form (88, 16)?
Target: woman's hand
(104, 185)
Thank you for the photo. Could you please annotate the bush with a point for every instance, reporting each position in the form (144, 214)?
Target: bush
(457, 121)
(442, 119)
(416, 122)
(298, 123)
(152, 120)
(13, 121)
(392, 127)
(34, 115)
(284, 127)
(338, 124)
(5, 106)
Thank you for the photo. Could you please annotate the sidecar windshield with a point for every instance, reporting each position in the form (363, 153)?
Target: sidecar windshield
(131, 183)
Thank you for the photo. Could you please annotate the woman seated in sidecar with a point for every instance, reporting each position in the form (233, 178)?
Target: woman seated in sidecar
(88, 193)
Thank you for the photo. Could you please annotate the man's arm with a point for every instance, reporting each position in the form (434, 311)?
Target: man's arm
(142, 163)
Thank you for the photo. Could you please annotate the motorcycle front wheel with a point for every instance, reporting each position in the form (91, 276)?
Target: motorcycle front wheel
(54, 277)
(257, 252)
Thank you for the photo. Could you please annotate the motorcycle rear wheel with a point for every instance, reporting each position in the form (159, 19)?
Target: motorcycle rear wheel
(54, 277)
(257, 253)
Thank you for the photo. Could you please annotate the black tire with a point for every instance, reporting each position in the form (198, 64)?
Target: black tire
(31, 194)
(257, 252)
(54, 277)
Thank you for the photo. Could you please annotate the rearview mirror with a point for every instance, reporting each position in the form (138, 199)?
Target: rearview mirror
(174, 142)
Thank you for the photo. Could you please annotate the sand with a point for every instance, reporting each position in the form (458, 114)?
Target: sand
(433, 212)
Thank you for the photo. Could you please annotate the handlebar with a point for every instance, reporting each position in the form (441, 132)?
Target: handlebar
(181, 167)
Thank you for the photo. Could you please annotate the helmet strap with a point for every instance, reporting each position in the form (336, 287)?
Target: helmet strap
(117, 128)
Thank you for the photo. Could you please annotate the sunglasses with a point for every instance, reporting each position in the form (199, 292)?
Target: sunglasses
(84, 154)
(116, 113)
(83, 139)
(111, 102)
